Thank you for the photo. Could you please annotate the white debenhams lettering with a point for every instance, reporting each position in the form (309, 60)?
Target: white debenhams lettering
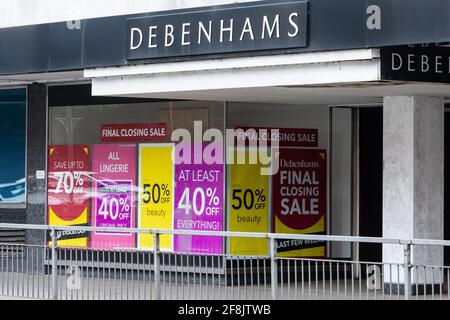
(134, 46)
(425, 66)
(294, 25)
(169, 35)
(438, 64)
(271, 29)
(152, 35)
(418, 63)
(247, 29)
(410, 63)
(374, 19)
(202, 30)
(229, 30)
(396, 55)
(185, 34)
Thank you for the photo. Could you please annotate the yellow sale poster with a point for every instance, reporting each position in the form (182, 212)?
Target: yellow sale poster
(248, 205)
(156, 173)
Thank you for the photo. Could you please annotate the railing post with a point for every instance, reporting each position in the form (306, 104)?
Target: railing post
(407, 269)
(54, 266)
(273, 267)
(156, 247)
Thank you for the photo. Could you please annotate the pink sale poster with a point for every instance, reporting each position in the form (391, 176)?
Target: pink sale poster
(113, 202)
(198, 202)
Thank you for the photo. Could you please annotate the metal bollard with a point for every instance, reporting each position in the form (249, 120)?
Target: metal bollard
(156, 247)
(273, 267)
(54, 266)
(407, 269)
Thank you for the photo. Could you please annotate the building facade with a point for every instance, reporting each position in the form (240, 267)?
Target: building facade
(97, 94)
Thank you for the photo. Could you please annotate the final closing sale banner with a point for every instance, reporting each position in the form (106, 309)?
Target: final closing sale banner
(248, 206)
(198, 200)
(300, 200)
(68, 191)
(156, 176)
(114, 169)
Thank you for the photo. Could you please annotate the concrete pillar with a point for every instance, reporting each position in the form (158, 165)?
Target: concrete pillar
(413, 181)
(36, 160)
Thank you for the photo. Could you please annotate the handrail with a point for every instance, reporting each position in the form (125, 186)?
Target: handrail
(256, 235)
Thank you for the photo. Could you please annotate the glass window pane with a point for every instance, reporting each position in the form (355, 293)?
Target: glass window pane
(12, 146)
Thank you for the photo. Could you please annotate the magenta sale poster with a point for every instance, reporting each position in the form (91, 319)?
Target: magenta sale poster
(113, 202)
(198, 201)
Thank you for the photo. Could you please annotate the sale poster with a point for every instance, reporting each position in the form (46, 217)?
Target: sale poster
(248, 206)
(68, 192)
(113, 206)
(300, 200)
(198, 202)
(156, 176)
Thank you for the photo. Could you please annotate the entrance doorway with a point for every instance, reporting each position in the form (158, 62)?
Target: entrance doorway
(371, 181)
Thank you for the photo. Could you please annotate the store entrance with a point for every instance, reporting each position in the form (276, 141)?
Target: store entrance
(371, 181)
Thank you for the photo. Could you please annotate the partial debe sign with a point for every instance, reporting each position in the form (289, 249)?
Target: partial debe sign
(427, 63)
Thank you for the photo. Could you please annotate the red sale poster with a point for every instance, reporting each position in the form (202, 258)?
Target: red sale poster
(300, 200)
(113, 204)
(68, 191)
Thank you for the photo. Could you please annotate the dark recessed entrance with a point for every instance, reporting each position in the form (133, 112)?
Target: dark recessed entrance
(371, 180)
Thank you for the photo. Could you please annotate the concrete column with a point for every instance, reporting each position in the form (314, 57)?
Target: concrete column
(413, 181)
(36, 160)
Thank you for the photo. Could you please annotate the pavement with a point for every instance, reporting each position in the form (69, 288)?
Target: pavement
(15, 286)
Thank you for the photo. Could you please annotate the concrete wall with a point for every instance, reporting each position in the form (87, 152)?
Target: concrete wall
(27, 12)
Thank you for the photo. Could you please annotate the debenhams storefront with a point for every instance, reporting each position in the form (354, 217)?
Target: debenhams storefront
(128, 121)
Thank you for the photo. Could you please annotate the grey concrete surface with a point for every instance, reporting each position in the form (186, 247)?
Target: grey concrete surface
(413, 177)
(22, 286)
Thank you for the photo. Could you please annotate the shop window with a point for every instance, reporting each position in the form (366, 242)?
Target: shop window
(118, 165)
(293, 201)
(111, 166)
(12, 146)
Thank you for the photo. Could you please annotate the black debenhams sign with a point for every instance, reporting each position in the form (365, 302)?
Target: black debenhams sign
(424, 63)
(251, 28)
(222, 31)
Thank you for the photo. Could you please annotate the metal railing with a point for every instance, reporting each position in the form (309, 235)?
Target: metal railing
(49, 271)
